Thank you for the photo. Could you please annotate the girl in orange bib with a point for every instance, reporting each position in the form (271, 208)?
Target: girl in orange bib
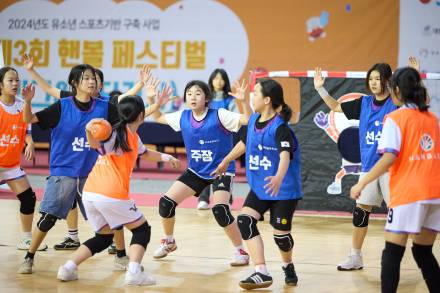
(106, 193)
(410, 145)
(14, 134)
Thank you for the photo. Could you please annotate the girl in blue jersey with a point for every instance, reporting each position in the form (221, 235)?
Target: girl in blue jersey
(207, 134)
(71, 158)
(274, 176)
(370, 111)
(220, 87)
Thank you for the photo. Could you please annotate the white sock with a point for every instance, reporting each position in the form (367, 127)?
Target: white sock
(73, 234)
(26, 235)
(238, 248)
(169, 238)
(355, 251)
(285, 264)
(70, 265)
(134, 267)
(261, 269)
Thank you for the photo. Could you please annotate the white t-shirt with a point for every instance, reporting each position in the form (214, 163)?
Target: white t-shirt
(107, 147)
(229, 120)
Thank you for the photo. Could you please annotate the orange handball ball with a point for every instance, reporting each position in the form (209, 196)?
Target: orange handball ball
(101, 130)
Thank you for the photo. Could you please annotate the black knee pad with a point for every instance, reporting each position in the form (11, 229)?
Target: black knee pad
(141, 235)
(390, 272)
(247, 226)
(167, 207)
(99, 242)
(222, 214)
(284, 242)
(360, 217)
(46, 222)
(27, 201)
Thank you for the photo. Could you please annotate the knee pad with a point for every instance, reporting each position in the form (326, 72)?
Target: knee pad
(247, 226)
(284, 242)
(27, 201)
(46, 222)
(222, 214)
(167, 207)
(360, 217)
(99, 242)
(141, 235)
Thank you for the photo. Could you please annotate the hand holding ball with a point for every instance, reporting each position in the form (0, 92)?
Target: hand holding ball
(100, 129)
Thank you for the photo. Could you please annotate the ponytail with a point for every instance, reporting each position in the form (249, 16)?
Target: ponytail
(286, 112)
(129, 110)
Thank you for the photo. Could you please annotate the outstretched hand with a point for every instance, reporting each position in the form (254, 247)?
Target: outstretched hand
(318, 80)
(240, 90)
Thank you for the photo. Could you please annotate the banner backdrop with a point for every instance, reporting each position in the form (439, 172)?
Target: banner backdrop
(183, 40)
(329, 146)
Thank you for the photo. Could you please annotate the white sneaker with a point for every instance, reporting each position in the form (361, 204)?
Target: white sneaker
(25, 244)
(203, 205)
(353, 262)
(165, 248)
(26, 266)
(66, 275)
(141, 278)
(121, 263)
(240, 259)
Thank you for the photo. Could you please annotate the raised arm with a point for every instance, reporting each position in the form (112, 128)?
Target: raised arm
(240, 97)
(414, 63)
(28, 93)
(318, 81)
(144, 77)
(28, 63)
(163, 97)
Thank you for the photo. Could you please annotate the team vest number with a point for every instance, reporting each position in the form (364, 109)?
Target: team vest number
(255, 163)
(204, 155)
(372, 137)
(5, 140)
(79, 144)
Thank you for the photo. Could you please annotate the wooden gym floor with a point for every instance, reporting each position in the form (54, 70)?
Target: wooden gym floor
(201, 262)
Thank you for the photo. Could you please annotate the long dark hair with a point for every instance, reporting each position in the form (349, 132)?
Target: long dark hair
(410, 87)
(3, 72)
(76, 75)
(385, 73)
(271, 88)
(129, 109)
(227, 88)
(202, 85)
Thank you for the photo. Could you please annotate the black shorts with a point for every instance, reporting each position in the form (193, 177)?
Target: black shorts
(281, 211)
(196, 183)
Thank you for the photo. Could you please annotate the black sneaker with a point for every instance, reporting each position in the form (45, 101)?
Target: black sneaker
(67, 244)
(291, 277)
(112, 249)
(255, 281)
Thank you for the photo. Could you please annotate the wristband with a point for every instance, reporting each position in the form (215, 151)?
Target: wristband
(165, 157)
